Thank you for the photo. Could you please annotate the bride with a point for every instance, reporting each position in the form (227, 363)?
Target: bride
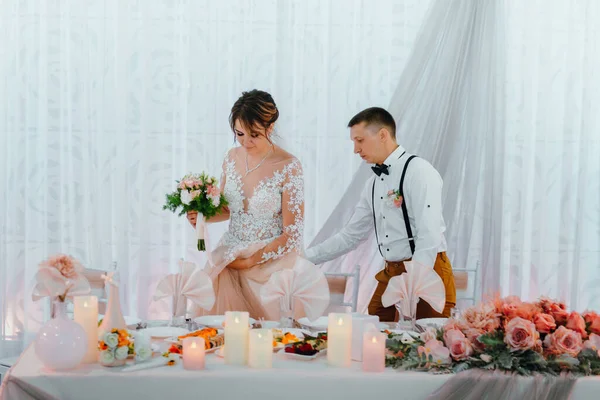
(265, 189)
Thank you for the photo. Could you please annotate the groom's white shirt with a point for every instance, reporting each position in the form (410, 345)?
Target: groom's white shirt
(423, 197)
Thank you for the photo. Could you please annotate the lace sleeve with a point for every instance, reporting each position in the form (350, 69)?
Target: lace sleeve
(292, 201)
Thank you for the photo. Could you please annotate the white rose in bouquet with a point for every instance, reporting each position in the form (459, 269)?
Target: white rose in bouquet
(111, 340)
(121, 353)
(142, 354)
(107, 357)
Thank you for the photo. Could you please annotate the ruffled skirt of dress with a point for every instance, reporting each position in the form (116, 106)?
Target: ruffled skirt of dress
(239, 290)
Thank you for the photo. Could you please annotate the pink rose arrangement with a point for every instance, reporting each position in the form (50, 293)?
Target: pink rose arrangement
(506, 334)
(197, 192)
(58, 277)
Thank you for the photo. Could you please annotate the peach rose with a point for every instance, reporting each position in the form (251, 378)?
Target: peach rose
(460, 347)
(67, 266)
(563, 341)
(576, 323)
(521, 334)
(556, 309)
(593, 320)
(544, 323)
(592, 343)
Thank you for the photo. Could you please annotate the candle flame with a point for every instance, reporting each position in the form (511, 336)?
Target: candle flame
(340, 321)
(374, 340)
(85, 304)
(193, 346)
(260, 335)
(237, 320)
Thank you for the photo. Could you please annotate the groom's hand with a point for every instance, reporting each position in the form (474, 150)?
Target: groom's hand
(192, 216)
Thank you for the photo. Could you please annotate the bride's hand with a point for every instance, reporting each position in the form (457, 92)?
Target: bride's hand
(242, 263)
(192, 216)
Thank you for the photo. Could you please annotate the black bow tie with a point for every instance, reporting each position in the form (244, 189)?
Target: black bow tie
(380, 169)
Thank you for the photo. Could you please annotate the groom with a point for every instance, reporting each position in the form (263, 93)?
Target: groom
(403, 203)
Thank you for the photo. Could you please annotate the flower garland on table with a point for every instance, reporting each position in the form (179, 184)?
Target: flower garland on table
(505, 334)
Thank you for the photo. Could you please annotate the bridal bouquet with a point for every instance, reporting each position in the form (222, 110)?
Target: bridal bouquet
(197, 192)
(505, 334)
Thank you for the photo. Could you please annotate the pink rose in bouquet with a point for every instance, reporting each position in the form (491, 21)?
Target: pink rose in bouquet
(563, 341)
(460, 347)
(576, 323)
(521, 335)
(544, 323)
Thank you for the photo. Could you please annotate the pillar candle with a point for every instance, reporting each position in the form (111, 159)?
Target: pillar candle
(193, 353)
(86, 315)
(359, 322)
(339, 340)
(260, 348)
(373, 351)
(236, 337)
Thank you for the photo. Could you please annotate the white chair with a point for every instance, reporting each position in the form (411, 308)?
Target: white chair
(337, 288)
(466, 292)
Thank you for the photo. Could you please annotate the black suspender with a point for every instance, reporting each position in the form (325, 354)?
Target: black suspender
(411, 240)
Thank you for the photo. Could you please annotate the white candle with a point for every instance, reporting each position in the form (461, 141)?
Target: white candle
(260, 353)
(339, 340)
(359, 322)
(86, 315)
(193, 353)
(236, 337)
(373, 351)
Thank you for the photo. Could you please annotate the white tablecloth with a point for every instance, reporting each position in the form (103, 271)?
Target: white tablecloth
(289, 379)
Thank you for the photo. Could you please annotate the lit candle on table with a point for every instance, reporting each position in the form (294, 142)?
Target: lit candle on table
(261, 348)
(86, 315)
(236, 337)
(339, 340)
(359, 324)
(373, 351)
(193, 353)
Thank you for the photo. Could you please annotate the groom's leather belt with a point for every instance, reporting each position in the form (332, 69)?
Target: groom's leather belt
(398, 266)
(394, 266)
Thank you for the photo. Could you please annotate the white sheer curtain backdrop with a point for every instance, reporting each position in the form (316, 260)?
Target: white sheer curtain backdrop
(105, 103)
(550, 192)
(503, 98)
(448, 106)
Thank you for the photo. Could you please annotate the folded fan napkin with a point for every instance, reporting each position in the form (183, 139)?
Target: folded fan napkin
(418, 282)
(191, 283)
(50, 282)
(305, 284)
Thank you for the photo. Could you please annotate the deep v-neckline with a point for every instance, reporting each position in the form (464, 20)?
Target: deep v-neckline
(240, 187)
(261, 184)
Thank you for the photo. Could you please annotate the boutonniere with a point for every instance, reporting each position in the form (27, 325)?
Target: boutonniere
(395, 198)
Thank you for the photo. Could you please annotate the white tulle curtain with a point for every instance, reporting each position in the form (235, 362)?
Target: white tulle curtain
(106, 103)
(502, 98)
(548, 240)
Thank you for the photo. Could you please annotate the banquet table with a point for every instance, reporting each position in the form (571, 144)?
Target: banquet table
(289, 379)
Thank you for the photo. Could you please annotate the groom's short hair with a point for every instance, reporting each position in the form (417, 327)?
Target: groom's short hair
(375, 116)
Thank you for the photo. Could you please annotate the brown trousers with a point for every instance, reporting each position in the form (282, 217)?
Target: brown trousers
(387, 314)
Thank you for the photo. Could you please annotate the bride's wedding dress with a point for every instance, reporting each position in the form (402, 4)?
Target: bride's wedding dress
(266, 212)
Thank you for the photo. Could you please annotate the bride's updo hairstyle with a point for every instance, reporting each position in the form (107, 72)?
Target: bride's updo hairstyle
(253, 109)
